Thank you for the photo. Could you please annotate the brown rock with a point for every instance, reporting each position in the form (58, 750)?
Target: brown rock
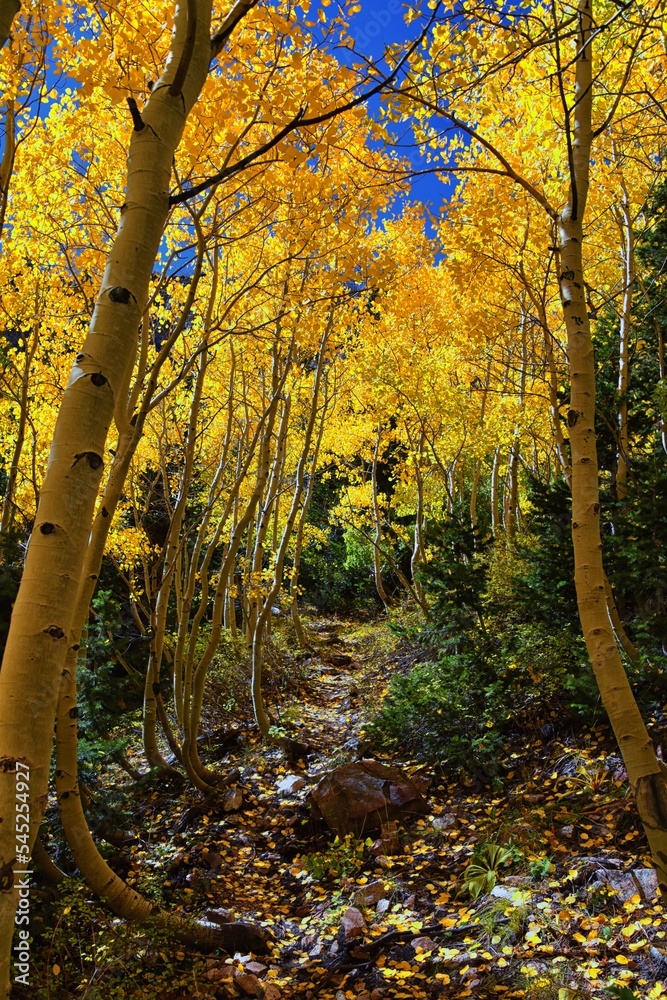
(353, 923)
(424, 943)
(365, 795)
(248, 984)
(255, 967)
(271, 992)
(243, 937)
(339, 659)
(217, 972)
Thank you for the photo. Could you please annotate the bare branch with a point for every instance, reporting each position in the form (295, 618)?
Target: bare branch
(236, 14)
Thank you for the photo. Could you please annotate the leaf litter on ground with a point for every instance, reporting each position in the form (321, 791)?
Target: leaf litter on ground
(538, 886)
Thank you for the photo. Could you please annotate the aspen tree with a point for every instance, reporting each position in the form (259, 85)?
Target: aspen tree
(645, 772)
(44, 609)
(259, 625)
(626, 228)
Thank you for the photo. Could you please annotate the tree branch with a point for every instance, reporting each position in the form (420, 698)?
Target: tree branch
(186, 55)
(299, 120)
(236, 14)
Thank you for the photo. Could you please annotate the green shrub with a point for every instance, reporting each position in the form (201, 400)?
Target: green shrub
(228, 677)
(342, 859)
(438, 711)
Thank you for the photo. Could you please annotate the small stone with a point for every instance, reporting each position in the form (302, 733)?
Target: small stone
(567, 831)
(622, 883)
(248, 984)
(423, 944)
(508, 893)
(442, 823)
(658, 959)
(271, 992)
(255, 967)
(353, 923)
(382, 906)
(233, 800)
(316, 951)
(218, 972)
(648, 882)
(291, 783)
(369, 894)
(220, 915)
(339, 659)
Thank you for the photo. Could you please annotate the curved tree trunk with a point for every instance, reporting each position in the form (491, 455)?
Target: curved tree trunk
(44, 609)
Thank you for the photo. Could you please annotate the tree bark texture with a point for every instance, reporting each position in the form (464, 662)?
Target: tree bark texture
(44, 609)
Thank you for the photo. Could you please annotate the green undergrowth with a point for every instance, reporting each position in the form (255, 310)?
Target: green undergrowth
(500, 654)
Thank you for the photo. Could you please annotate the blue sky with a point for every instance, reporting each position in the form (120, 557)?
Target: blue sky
(378, 24)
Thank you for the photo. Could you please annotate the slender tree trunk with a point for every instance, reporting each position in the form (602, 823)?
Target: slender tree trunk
(561, 447)
(644, 771)
(196, 673)
(301, 526)
(280, 551)
(377, 538)
(8, 501)
(495, 511)
(474, 493)
(512, 486)
(623, 452)
(418, 554)
(9, 152)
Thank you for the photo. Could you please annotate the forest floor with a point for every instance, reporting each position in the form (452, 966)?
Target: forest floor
(573, 912)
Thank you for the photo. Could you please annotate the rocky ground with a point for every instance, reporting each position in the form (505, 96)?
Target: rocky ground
(535, 884)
